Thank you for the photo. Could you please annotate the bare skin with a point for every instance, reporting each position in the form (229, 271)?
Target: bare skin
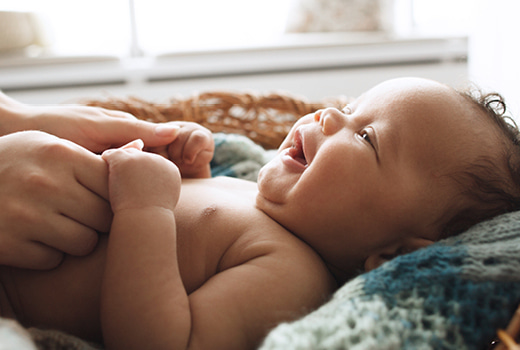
(223, 243)
(54, 193)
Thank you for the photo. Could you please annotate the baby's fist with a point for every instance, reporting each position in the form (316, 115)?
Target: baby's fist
(139, 179)
(192, 150)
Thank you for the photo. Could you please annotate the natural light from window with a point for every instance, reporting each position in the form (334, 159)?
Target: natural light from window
(105, 27)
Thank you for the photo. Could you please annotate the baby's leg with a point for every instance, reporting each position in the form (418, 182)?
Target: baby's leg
(65, 298)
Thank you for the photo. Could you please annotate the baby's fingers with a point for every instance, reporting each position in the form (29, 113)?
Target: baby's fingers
(199, 141)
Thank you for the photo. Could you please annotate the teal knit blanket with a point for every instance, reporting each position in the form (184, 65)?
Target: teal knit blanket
(453, 294)
(238, 156)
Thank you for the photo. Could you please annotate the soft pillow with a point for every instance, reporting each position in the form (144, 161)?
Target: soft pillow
(453, 294)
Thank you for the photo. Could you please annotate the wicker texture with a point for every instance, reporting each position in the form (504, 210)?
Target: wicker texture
(266, 119)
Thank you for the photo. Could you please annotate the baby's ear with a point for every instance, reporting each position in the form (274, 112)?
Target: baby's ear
(411, 244)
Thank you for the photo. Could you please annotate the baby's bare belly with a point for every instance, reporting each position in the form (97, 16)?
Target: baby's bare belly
(65, 298)
(68, 297)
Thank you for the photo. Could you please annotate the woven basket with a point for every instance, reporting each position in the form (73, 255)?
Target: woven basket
(266, 119)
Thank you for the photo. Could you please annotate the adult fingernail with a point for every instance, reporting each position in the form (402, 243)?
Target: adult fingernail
(167, 129)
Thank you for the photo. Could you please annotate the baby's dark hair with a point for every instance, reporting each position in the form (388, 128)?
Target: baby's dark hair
(492, 184)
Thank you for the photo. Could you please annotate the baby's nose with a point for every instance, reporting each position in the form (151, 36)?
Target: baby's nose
(330, 119)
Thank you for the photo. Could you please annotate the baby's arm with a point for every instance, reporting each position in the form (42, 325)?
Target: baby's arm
(192, 150)
(141, 271)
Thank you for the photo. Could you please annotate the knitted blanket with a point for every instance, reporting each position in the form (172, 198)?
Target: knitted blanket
(453, 294)
(238, 156)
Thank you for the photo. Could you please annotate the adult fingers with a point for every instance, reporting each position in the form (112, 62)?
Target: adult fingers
(87, 208)
(117, 114)
(119, 131)
(31, 255)
(68, 236)
(43, 225)
(91, 171)
(86, 198)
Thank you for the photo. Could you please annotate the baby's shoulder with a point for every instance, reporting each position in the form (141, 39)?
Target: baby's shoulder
(288, 259)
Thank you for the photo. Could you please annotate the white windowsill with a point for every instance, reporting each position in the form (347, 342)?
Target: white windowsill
(293, 53)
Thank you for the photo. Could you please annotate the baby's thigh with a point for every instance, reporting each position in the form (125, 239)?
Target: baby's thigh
(64, 298)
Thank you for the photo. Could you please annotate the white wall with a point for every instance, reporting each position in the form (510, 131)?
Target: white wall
(494, 50)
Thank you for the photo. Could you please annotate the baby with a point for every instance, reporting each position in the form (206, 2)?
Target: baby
(216, 263)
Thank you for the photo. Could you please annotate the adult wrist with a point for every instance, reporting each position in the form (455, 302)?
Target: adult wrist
(12, 115)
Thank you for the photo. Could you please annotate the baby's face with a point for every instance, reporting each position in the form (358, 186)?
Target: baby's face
(369, 179)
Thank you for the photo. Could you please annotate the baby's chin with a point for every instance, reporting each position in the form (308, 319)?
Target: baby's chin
(263, 170)
(266, 184)
(264, 205)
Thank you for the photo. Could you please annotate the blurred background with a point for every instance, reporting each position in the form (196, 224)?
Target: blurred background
(57, 51)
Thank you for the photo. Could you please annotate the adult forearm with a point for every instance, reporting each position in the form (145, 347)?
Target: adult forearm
(144, 303)
(11, 113)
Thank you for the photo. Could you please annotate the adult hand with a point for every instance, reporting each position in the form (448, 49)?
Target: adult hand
(98, 129)
(94, 128)
(53, 200)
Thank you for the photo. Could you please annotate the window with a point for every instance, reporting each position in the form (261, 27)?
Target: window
(131, 27)
(194, 24)
(107, 27)
(80, 27)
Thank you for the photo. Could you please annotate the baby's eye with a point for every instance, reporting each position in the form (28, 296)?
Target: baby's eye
(365, 136)
(369, 136)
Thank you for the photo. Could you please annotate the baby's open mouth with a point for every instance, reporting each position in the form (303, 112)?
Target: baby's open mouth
(296, 151)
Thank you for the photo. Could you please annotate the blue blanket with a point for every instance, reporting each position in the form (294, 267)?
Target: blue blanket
(238, 156)
(453, 294)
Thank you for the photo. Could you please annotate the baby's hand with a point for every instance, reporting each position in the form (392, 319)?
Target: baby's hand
(192, 150)
(139, 179)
